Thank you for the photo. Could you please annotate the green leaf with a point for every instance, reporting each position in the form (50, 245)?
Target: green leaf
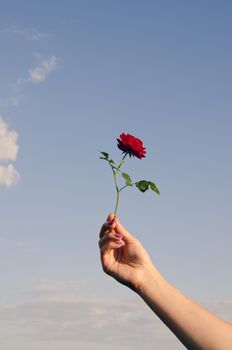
(104, 158)
(153, 187)
(142, 185)
(106, 155)
(128, 179)
(111, 161)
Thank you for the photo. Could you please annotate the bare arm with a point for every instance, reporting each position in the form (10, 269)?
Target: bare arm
(196, 327)
(124, 258)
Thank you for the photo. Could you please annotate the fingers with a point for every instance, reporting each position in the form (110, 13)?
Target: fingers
(119, 228)
(110, 217)
(107, 227)
(113, 224)
(109, 238)
(113, 234)
(111, 241)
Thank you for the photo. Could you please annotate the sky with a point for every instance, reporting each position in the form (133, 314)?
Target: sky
(74, 75)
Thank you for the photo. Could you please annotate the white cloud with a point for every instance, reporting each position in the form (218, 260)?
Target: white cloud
(8, 175)
(41, 72)
(34, 75)
(56, 311)
(31, 34)
(8, 153)
(105, 320)
(8, 142)
(40, 287)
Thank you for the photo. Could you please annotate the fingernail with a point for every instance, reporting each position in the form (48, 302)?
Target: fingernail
(118, 235)
(110, 222)
(119, 242)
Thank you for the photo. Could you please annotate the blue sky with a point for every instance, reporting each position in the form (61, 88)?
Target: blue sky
(74, 75)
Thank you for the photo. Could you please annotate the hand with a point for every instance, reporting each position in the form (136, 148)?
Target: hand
(123, 256)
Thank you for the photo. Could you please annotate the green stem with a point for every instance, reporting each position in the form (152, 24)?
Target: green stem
(115, 182)
(123, 188)
(121, 163)
(117, 201)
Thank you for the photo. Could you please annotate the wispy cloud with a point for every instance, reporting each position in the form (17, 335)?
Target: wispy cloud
(39, 73)
(35, 75)
(40, 287)
(85, 319)
(10, 101)
(31, 34)
(57, 311)
(43, 70)
(8, 153)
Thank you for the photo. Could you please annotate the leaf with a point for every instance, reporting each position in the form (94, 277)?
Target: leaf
(104, 158)
(111, 161)
(153, 187)
(128, 179)
(106, 155)
(142, 185)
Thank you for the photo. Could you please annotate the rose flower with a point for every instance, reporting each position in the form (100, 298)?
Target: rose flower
(131, 145)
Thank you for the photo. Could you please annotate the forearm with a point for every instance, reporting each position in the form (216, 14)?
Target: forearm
(196, 328)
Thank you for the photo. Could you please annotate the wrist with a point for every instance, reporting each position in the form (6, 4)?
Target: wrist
(150, 276)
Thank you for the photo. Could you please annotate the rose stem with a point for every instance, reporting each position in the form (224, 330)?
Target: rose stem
(117, 201)
(116, 186)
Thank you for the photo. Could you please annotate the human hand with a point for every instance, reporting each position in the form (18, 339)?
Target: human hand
(123, 257)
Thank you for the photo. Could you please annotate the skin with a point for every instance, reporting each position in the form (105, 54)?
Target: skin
(124, 258)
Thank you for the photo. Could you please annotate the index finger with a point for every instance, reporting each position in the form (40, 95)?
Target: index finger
(108, 226)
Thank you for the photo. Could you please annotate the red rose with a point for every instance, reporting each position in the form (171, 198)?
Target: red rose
(131, 145)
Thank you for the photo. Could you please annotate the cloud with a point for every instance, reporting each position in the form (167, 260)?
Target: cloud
(8, 175)
(41, 72)
(8, 153)
(8, 142)
(34, 75)
(59, 311)
(40, 287)
(86, 319)
(56, 311)
(30, 34)
(10, 101)
(37, 74)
